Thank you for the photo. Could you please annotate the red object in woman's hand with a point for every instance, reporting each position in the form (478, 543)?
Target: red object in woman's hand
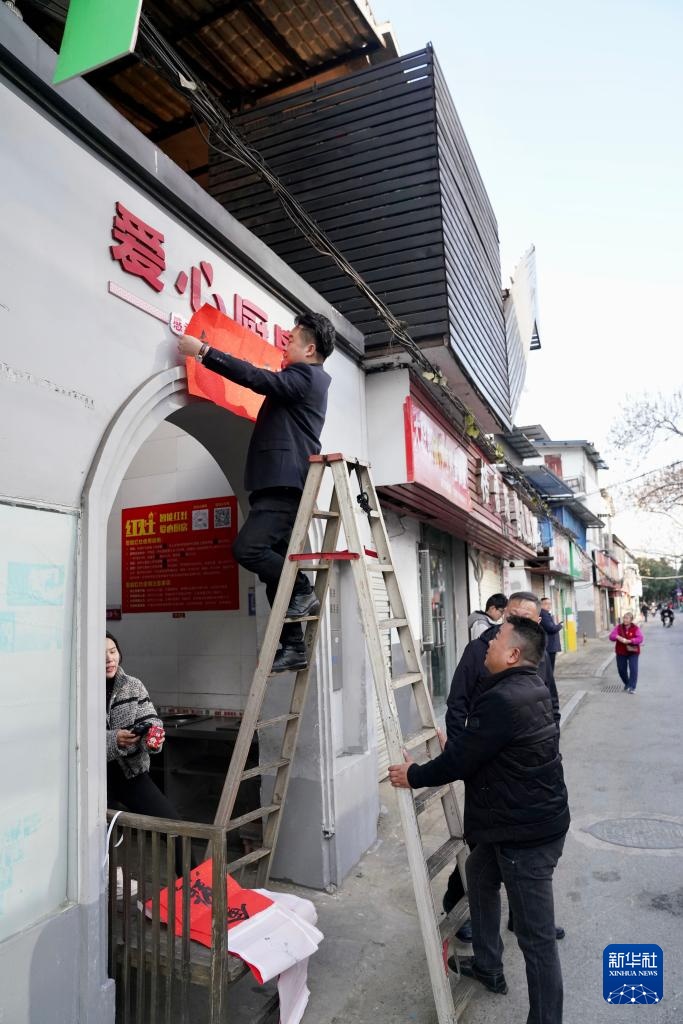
(155, 737)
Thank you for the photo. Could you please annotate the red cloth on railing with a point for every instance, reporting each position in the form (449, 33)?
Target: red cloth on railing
(242, 903)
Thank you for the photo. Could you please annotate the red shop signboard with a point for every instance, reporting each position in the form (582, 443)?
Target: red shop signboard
(433, 458)
(178, 557)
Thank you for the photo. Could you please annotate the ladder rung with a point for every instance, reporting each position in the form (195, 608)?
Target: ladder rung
(266, 723)
(418, 738)
(319, 513)
(450, 924)
(328, 556)
(427, 797)
(314, 566)
(304, 618)
(249, 858)
(260, 769)
(444, 855)
(374, 567)
(390, 623)
(252, 816)
(405, 680)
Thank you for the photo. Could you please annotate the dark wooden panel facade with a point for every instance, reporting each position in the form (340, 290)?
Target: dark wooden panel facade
(380, 160)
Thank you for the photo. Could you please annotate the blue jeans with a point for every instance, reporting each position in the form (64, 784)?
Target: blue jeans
(528, 877)
(627, 667)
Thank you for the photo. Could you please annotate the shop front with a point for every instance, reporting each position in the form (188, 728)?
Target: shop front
(109, 466)
(562, 588)
(456, 521)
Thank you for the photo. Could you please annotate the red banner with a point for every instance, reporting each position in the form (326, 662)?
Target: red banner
(219, 331)
(178, 557)
(433, 458)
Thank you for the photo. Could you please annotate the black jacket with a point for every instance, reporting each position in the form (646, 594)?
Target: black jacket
(289, 423)
(552, 629)
(470, 670)
(509, 759)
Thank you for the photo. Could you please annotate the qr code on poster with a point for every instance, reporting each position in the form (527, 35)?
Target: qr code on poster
(222, 517)
(200, 519)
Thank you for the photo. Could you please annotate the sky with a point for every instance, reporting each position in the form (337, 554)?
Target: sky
(572, 112)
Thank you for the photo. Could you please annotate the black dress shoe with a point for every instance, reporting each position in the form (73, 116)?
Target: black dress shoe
(303, 604)
(468, 968)
(559, 932)
(289, 659)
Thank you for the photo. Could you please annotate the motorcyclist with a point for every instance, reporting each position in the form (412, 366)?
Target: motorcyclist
(667, 616)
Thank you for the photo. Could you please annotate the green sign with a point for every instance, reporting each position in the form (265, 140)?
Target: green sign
(96, 33)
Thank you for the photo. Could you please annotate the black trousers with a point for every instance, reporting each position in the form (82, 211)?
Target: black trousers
(140, 795)
(552, 655)
(261, 546)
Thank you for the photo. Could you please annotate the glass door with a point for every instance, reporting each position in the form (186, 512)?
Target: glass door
(442, 654)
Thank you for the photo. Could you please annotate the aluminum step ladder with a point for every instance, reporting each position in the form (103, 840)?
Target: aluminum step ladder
(344, 512)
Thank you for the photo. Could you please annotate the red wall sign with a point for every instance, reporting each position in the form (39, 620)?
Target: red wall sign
(178, 557)
(433, 458)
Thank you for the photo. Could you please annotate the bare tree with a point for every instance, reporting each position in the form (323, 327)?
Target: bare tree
(646, 419)
(662, 490)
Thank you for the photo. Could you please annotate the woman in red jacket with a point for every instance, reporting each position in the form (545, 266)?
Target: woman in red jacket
(628, 639)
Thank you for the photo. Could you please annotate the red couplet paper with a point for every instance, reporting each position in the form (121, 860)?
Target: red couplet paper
(219, 331)
(178, 557)
(242, 904)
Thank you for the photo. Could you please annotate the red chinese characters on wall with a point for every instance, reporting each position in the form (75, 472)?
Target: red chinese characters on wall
(140, 251)
(140, 248)
(205, 271)
(250, 316)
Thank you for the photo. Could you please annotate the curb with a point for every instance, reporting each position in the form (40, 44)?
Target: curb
(571, 706)
(606, 663)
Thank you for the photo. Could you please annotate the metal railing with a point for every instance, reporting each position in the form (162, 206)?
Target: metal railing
(155, 970)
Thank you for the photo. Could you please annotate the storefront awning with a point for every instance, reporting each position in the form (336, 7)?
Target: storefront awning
(423, 504)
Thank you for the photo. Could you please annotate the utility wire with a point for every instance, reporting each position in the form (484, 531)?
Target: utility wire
(225, 139)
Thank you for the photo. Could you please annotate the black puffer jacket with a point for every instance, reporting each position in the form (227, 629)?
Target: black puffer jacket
(509, 759)
(471, 670)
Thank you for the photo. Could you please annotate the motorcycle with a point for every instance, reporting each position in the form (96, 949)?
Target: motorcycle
(667, 619)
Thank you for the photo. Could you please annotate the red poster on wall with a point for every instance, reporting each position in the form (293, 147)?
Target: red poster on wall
(219, 331)
(178, 557)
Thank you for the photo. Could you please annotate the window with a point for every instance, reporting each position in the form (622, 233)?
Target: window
(37, 567)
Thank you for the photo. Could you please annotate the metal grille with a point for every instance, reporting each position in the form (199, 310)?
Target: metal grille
(612, 688)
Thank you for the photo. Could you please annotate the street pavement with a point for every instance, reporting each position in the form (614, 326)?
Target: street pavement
(623, 762)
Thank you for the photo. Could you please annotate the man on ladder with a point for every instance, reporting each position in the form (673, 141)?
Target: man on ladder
(287, 431)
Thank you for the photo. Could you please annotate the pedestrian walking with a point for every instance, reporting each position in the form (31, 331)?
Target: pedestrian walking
(627, 639)
(644, 611)
(287, 431)
(552, 628)
(516, 814)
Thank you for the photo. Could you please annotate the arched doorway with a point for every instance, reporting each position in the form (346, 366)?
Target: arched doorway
(225, 437)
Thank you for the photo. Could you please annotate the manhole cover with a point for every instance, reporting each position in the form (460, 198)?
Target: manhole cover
(611, 688)
(644, 833)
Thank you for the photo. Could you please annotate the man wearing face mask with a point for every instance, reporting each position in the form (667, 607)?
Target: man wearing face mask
(516, 813)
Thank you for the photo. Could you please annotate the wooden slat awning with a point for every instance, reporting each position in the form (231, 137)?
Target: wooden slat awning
(242, 49)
